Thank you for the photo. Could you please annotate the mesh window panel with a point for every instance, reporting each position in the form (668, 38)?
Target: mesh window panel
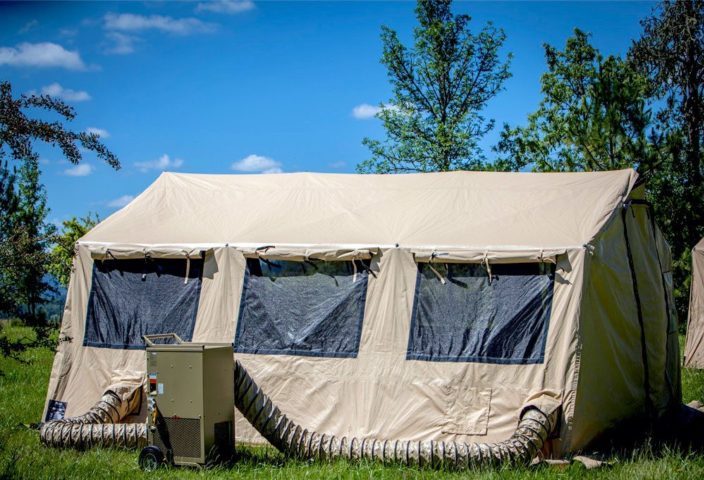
(469, 319)
(302, 308)
(131, 298)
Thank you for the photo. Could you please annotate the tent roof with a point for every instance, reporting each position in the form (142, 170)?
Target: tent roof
(699, 247)
(472, 210)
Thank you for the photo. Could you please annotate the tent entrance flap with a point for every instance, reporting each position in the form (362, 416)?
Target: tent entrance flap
(302, 308)
(136, 297)
(468, 313)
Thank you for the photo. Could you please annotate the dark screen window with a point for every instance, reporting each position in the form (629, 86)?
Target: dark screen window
(471, 319)
(131, 298)
(302, 308)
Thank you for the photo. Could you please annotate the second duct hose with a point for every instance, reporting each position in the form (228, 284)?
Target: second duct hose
(533, 430)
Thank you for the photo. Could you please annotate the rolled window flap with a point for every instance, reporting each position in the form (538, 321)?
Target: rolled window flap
(498, 255)
(105, 252)
(328, 254)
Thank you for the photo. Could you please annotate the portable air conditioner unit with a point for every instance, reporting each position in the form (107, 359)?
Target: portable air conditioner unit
(191, 403)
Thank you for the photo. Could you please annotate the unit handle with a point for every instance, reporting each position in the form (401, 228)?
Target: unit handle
(148, 338)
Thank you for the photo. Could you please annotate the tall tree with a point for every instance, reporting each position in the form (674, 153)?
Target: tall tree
(440, 87)
(8, 238)
(593, 116)
(23, 230)
(36, 237)
(671, 53)
(63, 251)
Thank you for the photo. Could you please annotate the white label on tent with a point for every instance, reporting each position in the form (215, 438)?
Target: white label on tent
(160, 389)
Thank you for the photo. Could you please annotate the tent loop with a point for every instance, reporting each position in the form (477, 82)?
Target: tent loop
(147, 258)
(188, 266)
(263, 249)
(354, 270)
(100, 259)
(108, 252)
(437, 274)
(487, 265)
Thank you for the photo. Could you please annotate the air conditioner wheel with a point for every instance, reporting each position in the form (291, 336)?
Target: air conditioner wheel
(151, 458)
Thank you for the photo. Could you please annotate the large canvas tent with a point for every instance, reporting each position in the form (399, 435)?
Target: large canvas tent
(694, 344)
(419, 306)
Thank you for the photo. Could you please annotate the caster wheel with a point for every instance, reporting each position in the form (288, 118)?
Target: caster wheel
(150, 458)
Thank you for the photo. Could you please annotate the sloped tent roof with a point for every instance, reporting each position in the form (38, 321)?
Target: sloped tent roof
(464, 210)
(694, 346)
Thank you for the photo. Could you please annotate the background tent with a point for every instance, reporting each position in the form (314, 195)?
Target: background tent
(421, 306)
(694, 345)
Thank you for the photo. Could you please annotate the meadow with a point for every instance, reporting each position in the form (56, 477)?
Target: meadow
(24, 374)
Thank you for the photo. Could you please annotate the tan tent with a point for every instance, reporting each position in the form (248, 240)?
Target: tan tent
(423, 306)
(694, 345)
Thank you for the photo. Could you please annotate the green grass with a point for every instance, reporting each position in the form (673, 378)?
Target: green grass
(23, 382)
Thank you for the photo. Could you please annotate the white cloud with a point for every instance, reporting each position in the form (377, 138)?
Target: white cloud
(80, 170)
(225, 6)
(102, 133)
(56, 90)
(365, 111)
(121, 201)
(130, 22)
(257, 164)
(45, 54)
(120, 44)
(162, 163)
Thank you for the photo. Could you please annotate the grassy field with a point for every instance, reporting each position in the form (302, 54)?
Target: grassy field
(23, 381)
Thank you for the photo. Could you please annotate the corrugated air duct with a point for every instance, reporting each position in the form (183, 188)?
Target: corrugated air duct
(99, 426)
(538, 419)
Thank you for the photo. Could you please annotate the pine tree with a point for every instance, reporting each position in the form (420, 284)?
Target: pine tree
(441, 86)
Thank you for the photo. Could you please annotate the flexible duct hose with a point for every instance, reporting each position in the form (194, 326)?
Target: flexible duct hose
(533, 430)
(98, 427)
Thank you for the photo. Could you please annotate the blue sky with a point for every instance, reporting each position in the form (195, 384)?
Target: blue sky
(242, 86)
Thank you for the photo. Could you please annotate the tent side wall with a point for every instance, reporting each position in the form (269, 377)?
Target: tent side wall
(626, 328)
(383, 394)
(694, 346)
(81, 373)
(378, 393)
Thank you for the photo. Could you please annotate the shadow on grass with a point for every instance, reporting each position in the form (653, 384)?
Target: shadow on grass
(680, 430)
(13, 346)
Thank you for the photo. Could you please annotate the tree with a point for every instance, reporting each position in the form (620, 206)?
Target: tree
(18, 132)
(64, 247)
(35, 235)
(23, 230)
(593, 116)
(671, 53)
(8, 239)
(440, 87)
(667, 190)
(23, 237)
